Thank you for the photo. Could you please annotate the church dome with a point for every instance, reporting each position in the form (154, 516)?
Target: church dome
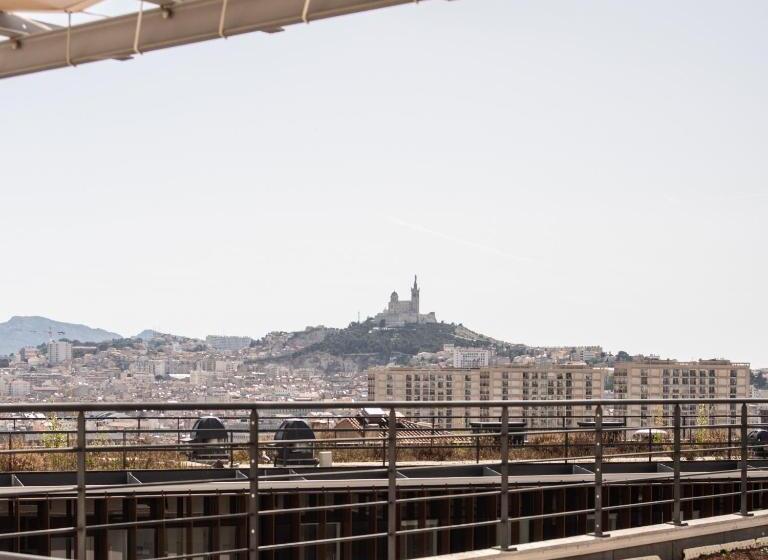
(394, 297)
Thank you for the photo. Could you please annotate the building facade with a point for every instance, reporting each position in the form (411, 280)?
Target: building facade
(228, 343)
(670, 379)
(59, 351)
(471, 357)
(399, 313)
(178, 518)
(509, 382)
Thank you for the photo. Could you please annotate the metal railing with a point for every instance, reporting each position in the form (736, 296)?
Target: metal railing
(394, 438)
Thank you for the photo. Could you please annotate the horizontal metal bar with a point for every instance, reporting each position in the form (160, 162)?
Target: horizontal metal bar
(447, 527)
(25, 490)
(447, 497)
(37, 532)
(20, 556)
(164, 521)
(326, 405)
(199, 554)
(36, 450)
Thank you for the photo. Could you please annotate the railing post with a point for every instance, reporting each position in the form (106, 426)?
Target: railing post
(599, 472)
(231, 449)
(504, 496)
(477, 447)
(744, 457)
(253, 478)
(730, 438)
(392, 486)
(10, 445)
(650, 444)
(566, 440)
(125, 456)
(81, 519)
(676, 518)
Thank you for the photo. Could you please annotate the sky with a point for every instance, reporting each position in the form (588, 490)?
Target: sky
(557, 172)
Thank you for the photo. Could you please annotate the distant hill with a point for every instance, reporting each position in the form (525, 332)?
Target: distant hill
(149, 334)
(19, 332)
(366, 344)
(366, 338)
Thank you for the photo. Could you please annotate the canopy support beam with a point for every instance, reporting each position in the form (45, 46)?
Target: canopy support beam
(192, 21)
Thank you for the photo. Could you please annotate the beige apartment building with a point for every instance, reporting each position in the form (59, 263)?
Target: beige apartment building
(670, 379)
(494, 383)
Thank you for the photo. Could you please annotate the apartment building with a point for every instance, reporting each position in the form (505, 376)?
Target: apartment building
(670, 379)
(59, 351)
(494, 383)
(471, 357)
(228, 343)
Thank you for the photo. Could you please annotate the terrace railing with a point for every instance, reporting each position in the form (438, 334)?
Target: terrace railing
(83, 440)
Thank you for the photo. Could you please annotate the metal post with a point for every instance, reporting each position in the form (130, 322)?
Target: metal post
(676, 518)
(477, 447)
(504, 499)
(178, 430)
(392, 486)
(81, 443)
(231, 449)
(253, 477)
(744, 457)
(125, 456)
(650, 445)
(432, 439)
(730, 438)
(599, 472)
(566, 440)
(10, 445)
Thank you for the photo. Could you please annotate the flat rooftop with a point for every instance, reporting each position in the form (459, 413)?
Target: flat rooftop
(366, 477)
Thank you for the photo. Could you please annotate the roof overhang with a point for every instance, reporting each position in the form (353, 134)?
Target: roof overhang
(172, 24)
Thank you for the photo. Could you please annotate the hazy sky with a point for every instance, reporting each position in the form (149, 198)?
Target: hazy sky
(556, 172)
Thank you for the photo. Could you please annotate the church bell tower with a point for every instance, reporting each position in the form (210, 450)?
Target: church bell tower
(415, 296)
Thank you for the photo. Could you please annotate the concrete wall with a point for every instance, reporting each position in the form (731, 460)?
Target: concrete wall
(665, 541)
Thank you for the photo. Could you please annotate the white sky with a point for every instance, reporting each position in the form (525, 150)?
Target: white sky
(556, 172)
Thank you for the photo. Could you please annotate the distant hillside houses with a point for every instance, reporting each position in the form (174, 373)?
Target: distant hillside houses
(228, 343)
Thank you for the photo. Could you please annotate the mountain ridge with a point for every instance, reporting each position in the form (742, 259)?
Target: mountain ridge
(31, 330)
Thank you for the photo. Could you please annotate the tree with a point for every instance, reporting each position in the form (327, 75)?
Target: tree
(623, 356)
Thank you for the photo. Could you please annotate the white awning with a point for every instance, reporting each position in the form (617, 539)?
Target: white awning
(45, 5)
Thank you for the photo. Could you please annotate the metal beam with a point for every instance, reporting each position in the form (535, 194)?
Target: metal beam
(14, 26)
(185, 22)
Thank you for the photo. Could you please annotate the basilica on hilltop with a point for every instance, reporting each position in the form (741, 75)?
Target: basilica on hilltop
(403, 312)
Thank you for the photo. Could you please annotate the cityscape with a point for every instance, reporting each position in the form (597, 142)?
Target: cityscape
(383, 280)
(298, 367)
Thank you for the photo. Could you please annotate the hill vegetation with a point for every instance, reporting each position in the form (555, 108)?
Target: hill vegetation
(394, 344)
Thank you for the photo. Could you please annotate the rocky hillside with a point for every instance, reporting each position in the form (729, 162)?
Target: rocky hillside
(365, 344)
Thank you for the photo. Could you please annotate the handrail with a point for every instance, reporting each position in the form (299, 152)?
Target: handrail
(596, 446)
